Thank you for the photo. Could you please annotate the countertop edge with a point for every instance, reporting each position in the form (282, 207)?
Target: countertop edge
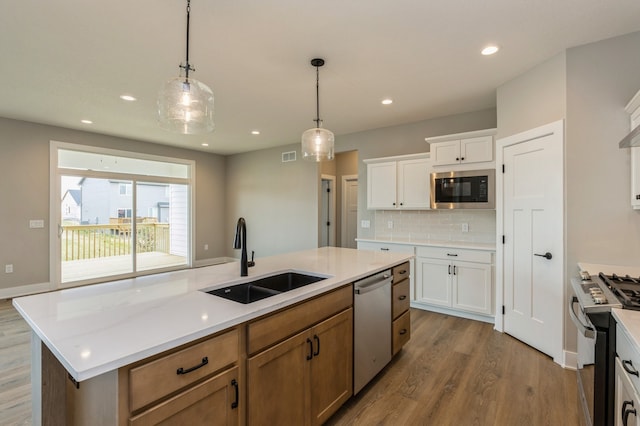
(287, 299)
(447, 244)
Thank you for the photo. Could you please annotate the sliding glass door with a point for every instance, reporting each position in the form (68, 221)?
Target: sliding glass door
(119, 215)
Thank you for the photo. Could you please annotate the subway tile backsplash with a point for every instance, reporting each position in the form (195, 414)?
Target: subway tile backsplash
(440, 225)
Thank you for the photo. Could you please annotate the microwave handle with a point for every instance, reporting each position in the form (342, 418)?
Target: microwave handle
(585, 330)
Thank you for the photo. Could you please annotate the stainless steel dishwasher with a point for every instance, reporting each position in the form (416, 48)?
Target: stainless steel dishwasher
(371, 328)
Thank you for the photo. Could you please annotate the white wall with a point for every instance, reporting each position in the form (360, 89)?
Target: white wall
(278, 200)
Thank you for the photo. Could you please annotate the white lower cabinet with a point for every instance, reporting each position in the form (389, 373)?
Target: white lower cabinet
(627, 401)
(459, 279)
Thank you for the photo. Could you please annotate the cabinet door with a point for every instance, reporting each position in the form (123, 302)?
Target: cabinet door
(413, 184)
(210, 402)
(476, 150)
(472, 287)
(332, 366)
(277, 383)
(627, 405)
(635, 178)
(381, 185)
(435, 281)
(445, 152)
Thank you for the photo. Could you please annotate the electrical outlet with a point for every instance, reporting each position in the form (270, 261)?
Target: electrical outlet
(8, 269)
(390, 224)
(206, 247)
(465, 227)
(365, 223)
(36, 223)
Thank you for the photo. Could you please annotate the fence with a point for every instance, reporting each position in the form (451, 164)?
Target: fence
(95, 241)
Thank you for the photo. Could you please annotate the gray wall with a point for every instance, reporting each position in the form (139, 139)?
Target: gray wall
(24, 189)
(599, 79)
(278, 200)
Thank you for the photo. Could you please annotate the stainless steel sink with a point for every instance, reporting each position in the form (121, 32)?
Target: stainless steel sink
(264, 287)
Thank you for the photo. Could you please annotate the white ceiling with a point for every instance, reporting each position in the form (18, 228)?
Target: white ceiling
(67, 60)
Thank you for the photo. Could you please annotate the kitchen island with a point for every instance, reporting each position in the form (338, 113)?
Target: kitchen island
(94, 332)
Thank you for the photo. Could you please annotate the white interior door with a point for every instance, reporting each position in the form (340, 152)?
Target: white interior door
(532, 224)
(349, 225)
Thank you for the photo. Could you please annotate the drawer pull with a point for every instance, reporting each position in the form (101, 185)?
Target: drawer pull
(204, 362)
(630, 369)
(404, 271)
(452, 254)
(234, 383)
(625, 412)
(402, 297)
(384, 248)
(403, 331)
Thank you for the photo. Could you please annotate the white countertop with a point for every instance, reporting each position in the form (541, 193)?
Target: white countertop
(98, 328)
(434, 243)
(595, 268)
(630, 321)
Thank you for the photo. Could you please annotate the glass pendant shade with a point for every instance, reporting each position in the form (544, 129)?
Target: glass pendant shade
(317, 144)
(185, 105)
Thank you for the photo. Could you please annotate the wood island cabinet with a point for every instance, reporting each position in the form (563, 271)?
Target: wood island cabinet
(303, 378)
(400, 293)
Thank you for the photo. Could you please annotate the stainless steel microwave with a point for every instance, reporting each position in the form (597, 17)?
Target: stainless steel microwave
(469, 189)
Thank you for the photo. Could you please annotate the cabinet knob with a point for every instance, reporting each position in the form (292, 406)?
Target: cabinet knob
(457, 158)
(461, 158)
(403, 331)
(402, 297)
(637, 196)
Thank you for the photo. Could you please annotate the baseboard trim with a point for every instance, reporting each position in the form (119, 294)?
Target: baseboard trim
(213, 261)
(569, 360)
(24, 290)
(453, 312)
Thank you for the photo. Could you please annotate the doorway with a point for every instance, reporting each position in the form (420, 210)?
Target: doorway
(349, 222)
(328, 212)
(530, 219)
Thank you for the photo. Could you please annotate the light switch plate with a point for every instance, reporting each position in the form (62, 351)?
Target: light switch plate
(365, 223)
(8, 269)
(36, 223)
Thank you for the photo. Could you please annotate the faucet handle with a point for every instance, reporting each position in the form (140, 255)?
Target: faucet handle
(251, 262)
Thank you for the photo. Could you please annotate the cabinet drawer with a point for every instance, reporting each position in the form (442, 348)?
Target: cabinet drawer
(156, 379)
(280, 325)
(396, 248)
(401, 331)
(401, 272)
(212, 402)
(454, 254)
(629, 357)
(400, 295)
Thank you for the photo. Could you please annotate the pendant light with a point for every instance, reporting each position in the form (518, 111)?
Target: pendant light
(185, 105)
(317, 143)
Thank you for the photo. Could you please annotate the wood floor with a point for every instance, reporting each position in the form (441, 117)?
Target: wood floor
(15, 367)
(452, 372)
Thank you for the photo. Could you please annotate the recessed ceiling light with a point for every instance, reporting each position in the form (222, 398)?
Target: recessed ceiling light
(255, 132)
(86, 121)
(489, 50)
(205, 144)
(127, 98)
(387, 101)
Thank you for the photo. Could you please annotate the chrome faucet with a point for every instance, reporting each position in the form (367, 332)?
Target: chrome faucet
(240, 242)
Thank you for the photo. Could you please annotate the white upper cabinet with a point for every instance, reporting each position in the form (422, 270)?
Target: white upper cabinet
(398, 182)
(633, 108)
(462, 148)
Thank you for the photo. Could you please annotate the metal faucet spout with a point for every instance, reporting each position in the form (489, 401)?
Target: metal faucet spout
(240, 242)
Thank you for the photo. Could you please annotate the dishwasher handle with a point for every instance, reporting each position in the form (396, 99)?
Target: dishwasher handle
(368, 286)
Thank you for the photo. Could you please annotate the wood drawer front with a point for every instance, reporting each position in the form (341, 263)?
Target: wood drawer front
(209, 402)
(455, 254)
(629, 357)
(156, 379)
(400, 294)
(401, 272)
(401, 331)
(277, 327)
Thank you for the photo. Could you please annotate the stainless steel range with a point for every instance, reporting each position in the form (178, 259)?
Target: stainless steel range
(595, 296)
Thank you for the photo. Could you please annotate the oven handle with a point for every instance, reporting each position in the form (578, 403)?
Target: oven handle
(585, 330)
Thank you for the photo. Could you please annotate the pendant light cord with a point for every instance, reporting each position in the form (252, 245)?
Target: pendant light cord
(187, 66)
(317, 120)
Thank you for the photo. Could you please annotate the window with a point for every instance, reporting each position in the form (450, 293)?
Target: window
(120, 214)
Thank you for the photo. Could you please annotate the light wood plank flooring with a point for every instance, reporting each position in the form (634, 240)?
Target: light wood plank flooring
(15, 367)
(452, 372)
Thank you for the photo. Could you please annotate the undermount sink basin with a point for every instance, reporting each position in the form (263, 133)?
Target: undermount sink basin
(264, 287)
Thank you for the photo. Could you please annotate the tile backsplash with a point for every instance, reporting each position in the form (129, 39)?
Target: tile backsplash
(441, 225)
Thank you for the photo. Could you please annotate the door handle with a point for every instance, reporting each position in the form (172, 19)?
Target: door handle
(547, 255)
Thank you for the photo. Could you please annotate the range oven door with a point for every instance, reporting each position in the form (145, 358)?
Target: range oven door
(595, 387)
